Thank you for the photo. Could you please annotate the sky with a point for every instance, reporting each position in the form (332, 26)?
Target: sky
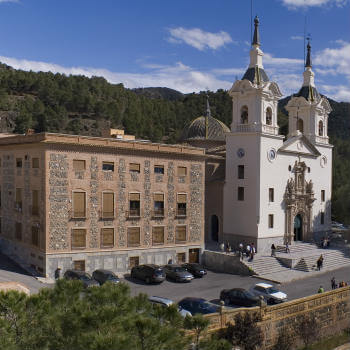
(189, 46)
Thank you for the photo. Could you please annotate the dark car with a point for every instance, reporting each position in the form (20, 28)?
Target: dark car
(82, 276)
(239, 297)
(197, 270)
(198, 306)
(177, 273)
(103, 276)
(149, 273)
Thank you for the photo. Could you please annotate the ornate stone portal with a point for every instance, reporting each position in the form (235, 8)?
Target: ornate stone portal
(299, 198)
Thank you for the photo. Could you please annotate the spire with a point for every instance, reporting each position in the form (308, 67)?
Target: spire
(308, 56)
(207, 116)
(256, 38)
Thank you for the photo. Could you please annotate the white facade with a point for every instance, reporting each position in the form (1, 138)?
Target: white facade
(286, 182)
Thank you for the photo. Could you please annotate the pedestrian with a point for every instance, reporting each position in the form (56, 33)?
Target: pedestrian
(320, 290)
(170, 262)
(273, 250)
(252, 251)
(57, 273)
(247, 250)
(241, 251)
(319, 263)
(333, 283)
(287, 247)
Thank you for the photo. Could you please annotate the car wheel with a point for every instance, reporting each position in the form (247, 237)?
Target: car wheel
(148, 280)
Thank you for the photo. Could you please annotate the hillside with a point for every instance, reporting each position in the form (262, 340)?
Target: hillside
(81, 105)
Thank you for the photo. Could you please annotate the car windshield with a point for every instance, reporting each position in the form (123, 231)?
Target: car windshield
(179, 269)
(205, 305)
(85, 277)
(249, 294)
(111, 277)
(272, 290)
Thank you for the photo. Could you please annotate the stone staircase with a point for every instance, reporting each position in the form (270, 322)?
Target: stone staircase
(301, 259)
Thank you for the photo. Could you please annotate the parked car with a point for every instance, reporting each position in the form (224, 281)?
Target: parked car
(197, 270)
(166, 303)
(82, 276)
(198, 306)
(149, 273)
(103, 276)
(271, 294)
(177, 273)
(239, 297)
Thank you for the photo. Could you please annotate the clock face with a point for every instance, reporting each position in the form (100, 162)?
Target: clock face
(271, 154)
(240, 152)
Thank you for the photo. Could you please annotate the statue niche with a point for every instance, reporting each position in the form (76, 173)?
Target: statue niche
(299, 198)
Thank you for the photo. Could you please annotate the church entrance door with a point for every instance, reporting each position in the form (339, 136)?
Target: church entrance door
(215, 228)
(298, 228)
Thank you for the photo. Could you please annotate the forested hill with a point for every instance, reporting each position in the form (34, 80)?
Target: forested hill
(81, 105)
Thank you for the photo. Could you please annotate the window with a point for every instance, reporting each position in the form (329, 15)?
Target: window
(320, 128)
(271, 195)
(78, 238)
(240, 194)
(134, 204)
(180, 234)
(181, 204)
(244, 115)
(107, 204)
(79, 265)
(79, 205)
(159, 204)
(241, 171)
(134, 167)
(18, 202)
(323, 195)
(268, 116)
(35, 202)
(181, 258)
(133, 236)
(18, 162)
(35, 163)
(159, 169)
(158, 235)
(107, 237)
(107, 166)
(134, 261)
(181, 171)
(300, 125)
(18, 231)
(78, 165)
(35, 236)
(270, 220)
(322, 218)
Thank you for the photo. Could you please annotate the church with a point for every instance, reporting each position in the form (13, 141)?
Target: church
(262, 187)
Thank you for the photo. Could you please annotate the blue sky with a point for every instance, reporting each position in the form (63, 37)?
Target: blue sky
(185, 45)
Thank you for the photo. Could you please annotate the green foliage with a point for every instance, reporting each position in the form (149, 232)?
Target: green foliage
(71, 317)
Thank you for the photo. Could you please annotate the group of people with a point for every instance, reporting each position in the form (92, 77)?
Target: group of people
(273, 249)
(336, 285)
(249, 251)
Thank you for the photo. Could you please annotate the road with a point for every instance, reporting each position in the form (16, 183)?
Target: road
(208, 287)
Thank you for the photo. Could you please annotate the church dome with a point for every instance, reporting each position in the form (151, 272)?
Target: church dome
(197, 130)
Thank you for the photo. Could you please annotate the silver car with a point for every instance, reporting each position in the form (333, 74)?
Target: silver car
(166, 303)
(271, 294)
(177, 273)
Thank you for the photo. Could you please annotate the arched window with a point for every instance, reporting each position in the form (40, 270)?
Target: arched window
(320, 128)
(244, 115)
(268, 116)
(300, 125)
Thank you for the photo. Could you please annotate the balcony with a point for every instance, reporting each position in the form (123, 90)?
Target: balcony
(321, 139)
(254, 127)
(77, 215)
(181, 212)
(133, 214)
(106, 215)
(158, 213)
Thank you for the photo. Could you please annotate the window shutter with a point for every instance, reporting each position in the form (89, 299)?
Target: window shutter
(78, 164)
(134, 196)
(107, 237)
(181, 233)
(133, 236)
(35, 163)
(78, 238)
(35, 236)
(181, 198)
(35, 202)
(134, 167)
(108, 204)
(158, 235)
(159, 197)
(181, 171)
(79, 204)
(18, 195)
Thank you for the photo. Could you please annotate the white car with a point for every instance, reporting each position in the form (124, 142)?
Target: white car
(269, 292)
(166, 303)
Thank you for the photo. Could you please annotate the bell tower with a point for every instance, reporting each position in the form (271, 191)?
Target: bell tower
(308, 110)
